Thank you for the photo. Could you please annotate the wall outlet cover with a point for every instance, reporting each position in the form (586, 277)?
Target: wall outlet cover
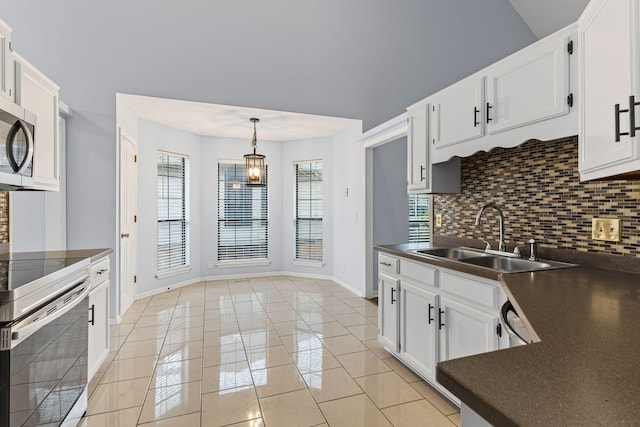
(606, 229)
(438, 220)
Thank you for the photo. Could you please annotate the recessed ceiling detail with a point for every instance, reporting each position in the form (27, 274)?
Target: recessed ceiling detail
(227, 121)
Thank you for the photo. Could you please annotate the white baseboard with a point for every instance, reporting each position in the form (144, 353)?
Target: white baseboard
(241, 276)
(347, 286)
(167, 288)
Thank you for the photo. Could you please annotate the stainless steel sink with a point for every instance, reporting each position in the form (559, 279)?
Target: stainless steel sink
(514, 265)
(451, 253)
(478, 258)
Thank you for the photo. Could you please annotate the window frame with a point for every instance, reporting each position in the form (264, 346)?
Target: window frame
(186, 216)
(305, 262)
(411, 221)
(241, 262)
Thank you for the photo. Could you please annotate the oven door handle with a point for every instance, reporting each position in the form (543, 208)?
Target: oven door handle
(13, 335)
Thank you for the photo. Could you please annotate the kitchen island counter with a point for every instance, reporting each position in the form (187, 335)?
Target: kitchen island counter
(583, 371)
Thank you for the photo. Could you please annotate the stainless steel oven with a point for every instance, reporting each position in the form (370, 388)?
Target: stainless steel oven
(17, 145)
(43, 349)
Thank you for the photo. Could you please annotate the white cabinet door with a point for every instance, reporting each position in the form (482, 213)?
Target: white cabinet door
(465, 330)
(529, 86)
(608, 69)
(36, 93)
(6, 62)
(458, 113)
(98, 326)
(388, 312)
(418, 328)
(417, 149)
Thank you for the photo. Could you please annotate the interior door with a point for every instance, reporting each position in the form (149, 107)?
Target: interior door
(128, 189)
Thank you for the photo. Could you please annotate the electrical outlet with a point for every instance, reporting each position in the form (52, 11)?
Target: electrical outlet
(605, 229)
(438, 220)
(209, 264)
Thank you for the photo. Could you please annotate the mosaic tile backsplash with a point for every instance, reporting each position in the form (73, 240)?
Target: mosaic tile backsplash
(538, 188)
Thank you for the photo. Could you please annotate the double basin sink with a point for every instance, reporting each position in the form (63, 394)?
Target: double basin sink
(492, 262)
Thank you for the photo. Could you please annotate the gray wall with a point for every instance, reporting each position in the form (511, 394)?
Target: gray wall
(390, 200)
(361, 59)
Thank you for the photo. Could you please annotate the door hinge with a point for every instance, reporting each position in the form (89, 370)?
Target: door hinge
(135, 158)
(570, 100)
(499, 329)
(135, 218)
(399, 347)
(570, 47)
(135, 279)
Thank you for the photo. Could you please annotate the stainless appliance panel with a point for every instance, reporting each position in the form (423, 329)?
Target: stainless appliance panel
(44, 375)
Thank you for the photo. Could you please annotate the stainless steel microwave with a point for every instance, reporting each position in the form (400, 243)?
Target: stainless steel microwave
(17, 132)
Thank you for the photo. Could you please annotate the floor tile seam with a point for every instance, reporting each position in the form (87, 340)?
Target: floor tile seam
(432, 403)
(116, 410)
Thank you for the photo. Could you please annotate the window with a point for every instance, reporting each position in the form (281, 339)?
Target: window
(419, 218)
(242, 215)
(308, 222)
(173, 211)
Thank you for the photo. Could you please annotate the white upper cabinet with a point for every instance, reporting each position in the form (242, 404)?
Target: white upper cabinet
(423, 176)
(527, 95)
(529, 86)
(417, 148)
(38, 94)
(6, 62)
(458, 113)
(609, 74)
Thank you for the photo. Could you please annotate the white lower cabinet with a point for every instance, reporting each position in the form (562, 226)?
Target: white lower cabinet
(388, 311)
(418, 328)
(431, 314)
(98, 316)
(464, 330)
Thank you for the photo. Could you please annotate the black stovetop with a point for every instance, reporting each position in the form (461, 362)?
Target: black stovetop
(16, 273)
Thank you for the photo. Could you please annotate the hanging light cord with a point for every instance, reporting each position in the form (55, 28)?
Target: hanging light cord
(254, 141)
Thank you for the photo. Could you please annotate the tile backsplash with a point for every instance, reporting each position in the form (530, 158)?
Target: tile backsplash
(4, 217)
(538, 188)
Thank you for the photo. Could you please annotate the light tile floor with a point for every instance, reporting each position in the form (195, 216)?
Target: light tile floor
(277, 351)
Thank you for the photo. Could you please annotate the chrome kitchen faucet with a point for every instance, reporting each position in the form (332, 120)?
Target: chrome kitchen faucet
(502, 246)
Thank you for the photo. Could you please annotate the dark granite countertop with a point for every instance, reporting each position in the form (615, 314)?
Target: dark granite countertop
(93, 254)
(585, 370)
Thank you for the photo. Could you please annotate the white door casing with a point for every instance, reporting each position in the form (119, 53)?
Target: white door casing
(127, 236)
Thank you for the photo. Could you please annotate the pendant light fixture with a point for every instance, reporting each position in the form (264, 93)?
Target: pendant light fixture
(254, 163)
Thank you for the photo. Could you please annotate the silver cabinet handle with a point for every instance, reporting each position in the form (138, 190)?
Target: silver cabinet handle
(388, 264)
(101, 271)
(124, 235)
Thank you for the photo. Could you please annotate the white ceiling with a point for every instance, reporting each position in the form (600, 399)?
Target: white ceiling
(544, 17)
(233, 122)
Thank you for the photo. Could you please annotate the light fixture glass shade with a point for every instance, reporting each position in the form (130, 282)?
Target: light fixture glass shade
(254, 166)
(254, 163)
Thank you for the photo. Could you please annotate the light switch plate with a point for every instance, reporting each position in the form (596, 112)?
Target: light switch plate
(438, 220)
(607, 229)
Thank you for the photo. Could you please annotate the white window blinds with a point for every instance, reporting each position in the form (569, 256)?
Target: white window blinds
(173, 211)
(419, 218)
(308, 222)
(243, 227)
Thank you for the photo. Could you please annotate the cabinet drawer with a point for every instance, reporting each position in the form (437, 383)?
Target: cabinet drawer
(419, 272)
(472, 290)
(387, 263)
(99, 271)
